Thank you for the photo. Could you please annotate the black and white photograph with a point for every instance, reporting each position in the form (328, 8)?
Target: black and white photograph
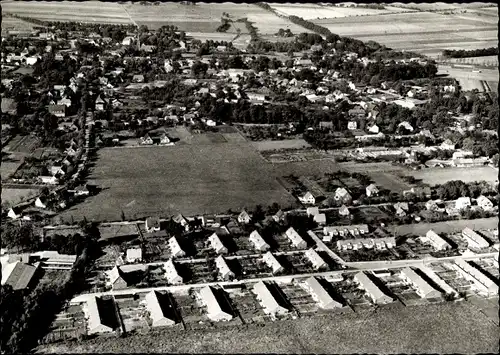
(250, 177)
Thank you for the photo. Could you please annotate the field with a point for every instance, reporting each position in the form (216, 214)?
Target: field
(490, 60)
(445, 327)
(311, 12)
(9, 23)
(390, 182)
(435, 176)
(205, 178)
(14, 196)
(440, 6)
(472, 80)
(284, 144)
(425, 32)
(445, 227)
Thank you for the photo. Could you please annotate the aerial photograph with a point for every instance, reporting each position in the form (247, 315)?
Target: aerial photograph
(196, 177)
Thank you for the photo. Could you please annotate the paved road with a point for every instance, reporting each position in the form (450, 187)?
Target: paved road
(323, 247)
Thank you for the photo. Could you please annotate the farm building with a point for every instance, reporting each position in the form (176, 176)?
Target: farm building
(436, 241)
(295, 238)
(308, 198)
(217, 244)
(474, 240)
(258, 242)
(244, 217)
(51, 180)
(14, 213)
(312, 211)
(116, 279)
(18, 275)
(171, 273)
(424, 290)
(484, 284)
(96, 312)
(41, 202)
(316, 260)
(272, 302)
(134, 255)
(272, 262)
(160, 308)
(371, 289)
(437, 280)
(462, 202)
(53, 260)
(175, 248)
(217, 303)
(354, 230)
(320, 294)
(224, 269)
(152, 224)
(179, 219)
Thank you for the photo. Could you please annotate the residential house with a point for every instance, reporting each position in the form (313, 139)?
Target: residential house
(216, 244)
(58, 170)
(462, 203)
(483, 283)
(14, 213)
(217, 303)
(438, 280)
(272, 301)
(320, 294)
(272, 262)
(258, 242)
(94, 310)
(224, 269)
(127, 41)
(320, 219)
(134, 255)
(315, 259)
(279, 216)
(41, 202)
(146, 140)
(312, 211)
(295, 238)
(138, 78)
(171, 273)
(354, 230)
(308, 198)
(485, 203)
(401, 208)
(179, 219)
(116, 279)
(50, 180)
(18, 275)
(371, 190)
(244, 217)
(57, 110)
(152, 224)
(175, 248)
(424, 290)
(344, 211)
(474, 240)
(343, 196)
(447, 145)
(161, 309)
(100, 104)
(436, 241)
(371, 289)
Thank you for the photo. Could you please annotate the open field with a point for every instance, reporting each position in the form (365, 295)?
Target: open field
(490, 60)
(390, 182)
(311, 11)
(469, 80)
(424, 32)
(284, 144)
(14, 196)
(436, 6)
(445, 327)
(435, 176)
(189, 179)
(445, 227)
(9, 23)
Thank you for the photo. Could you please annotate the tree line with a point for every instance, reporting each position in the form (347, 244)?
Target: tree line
(461, 53)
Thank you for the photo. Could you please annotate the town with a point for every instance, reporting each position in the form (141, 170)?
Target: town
(155, 182)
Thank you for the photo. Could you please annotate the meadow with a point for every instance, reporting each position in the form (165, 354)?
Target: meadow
(435, 176)
(14, 196)
(439, 328)
(188, 179)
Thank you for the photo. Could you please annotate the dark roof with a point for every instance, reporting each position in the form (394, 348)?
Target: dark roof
(56, 108)
(21, 276)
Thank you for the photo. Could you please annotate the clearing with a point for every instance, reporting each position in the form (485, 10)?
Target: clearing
(15, 196)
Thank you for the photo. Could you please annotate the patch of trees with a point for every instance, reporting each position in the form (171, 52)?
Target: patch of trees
(451, 190)
(309, 25)
(284, 33)
(461, 53)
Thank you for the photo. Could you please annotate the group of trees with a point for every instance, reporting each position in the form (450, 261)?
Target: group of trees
(461, 53)
(451, 190)
(284, 33)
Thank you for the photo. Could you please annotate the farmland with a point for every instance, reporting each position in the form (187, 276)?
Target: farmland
(445, 327)
(435, 176)
(14, 196)
(189, 179)
(284, 144)
(311, 12)
(445, 227)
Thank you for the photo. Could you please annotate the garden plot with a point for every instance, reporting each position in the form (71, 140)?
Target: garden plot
(198, 272)
(453, 278)
(69, 324)
(248, 306)
(132, 312)
(488, 267)
(354, 296)
(405, 292)
(300, 299)
(253, 267)
(191, 310)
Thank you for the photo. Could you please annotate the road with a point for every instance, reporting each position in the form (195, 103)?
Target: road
(323, 247)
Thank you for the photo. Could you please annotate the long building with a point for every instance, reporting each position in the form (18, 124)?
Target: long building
(273, 304)
(175, 248)
(295, 238)
(371, 289)
(217, 307)
(436, 241)
(96, 321)
(354, 230)
(224, 270)
(438, 281)
(320, 294)
(216, 244)
(272, 262)
(171, 273)
(161, 309)
(258, 242)
(424, 290)
(484, 284)
(474, 240)
(315, 259)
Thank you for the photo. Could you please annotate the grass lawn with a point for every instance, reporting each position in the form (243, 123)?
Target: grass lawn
(440, 328)
(192, 179)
